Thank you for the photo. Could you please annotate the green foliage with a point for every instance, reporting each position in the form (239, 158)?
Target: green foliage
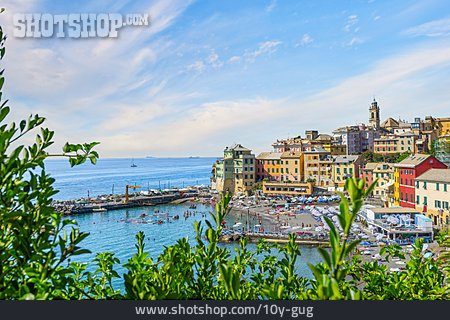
(35, 242)
(369, 156)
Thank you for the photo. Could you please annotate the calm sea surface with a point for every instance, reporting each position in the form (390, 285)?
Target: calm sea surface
(110, 175)
(115, 231)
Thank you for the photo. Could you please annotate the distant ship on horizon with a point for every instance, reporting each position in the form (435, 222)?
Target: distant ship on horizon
(194, 157)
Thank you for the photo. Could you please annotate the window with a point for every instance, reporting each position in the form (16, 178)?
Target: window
(296, 170)
(425, 185)
(437, 204)
(437, 186)
(445, 204)
(251, 176)
(417, 199)
(425, 200)
(445, 187)
(417, 184)
(296, 162)
(411, 198)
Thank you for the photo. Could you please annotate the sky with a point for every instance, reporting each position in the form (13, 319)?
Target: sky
(207, 74)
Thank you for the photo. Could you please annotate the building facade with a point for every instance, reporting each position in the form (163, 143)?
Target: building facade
(345, 167)
(235, 173)
(442, 148)
(433, 195)
(268, 166)
(405, 174)
(318, 167)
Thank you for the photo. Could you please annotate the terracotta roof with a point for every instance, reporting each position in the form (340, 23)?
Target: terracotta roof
(389, 122)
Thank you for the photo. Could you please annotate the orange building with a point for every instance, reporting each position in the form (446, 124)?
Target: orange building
(268, 166)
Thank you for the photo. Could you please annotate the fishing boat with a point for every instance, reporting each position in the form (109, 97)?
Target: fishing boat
(133, 165)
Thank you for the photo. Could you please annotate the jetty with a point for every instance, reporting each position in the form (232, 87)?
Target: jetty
(271, 237)
(106, 203)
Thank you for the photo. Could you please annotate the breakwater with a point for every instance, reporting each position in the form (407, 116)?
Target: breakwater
(279, 238)
(118, 202)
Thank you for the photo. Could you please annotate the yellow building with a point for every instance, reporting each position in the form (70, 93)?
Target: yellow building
(318, 167)
(345, 167)
(292, 166)
(444, 125)
(384, 187)
(396, 200)
(433, 195)
(335, 149)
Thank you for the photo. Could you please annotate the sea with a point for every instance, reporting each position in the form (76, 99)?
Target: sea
(115, 231)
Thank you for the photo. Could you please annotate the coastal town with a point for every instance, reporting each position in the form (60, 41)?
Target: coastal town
(409, 161)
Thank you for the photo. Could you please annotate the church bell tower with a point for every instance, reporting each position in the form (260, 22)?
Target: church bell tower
(374, 118)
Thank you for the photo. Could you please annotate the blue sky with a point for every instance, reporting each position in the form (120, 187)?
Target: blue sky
(207, 74)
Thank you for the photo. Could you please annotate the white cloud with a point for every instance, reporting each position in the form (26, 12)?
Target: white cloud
(306, 39)
(355, 41)
(196, 66)
(271, 6)
(376, 18)
(266, 47)
(352, 20)
(213, 60)
(234, 59)
(434, 28)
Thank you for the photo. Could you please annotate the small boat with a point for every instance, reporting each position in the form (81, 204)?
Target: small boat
(133, 165)
(99, 209)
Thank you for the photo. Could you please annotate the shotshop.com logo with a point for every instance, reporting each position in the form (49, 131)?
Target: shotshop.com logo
(74, 25)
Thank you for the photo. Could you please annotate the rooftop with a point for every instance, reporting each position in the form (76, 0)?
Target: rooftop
(394, 210)
(345, 159)
(437, 175)
(269, 156)
(237, 147)
(413, 160)
(370, 165)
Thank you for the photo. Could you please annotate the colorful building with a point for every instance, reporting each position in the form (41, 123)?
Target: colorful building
(268, 166)
(444, 125)
(367, 173)
(345, 167)
(385, 145)
(318, 167)
(432, 190)
(292, 166)
(383, 174)
(442, 148)
(235, 173)
(405, 174)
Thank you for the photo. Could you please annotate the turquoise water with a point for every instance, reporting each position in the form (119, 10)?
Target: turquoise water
(110, 231)
(115, 231)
